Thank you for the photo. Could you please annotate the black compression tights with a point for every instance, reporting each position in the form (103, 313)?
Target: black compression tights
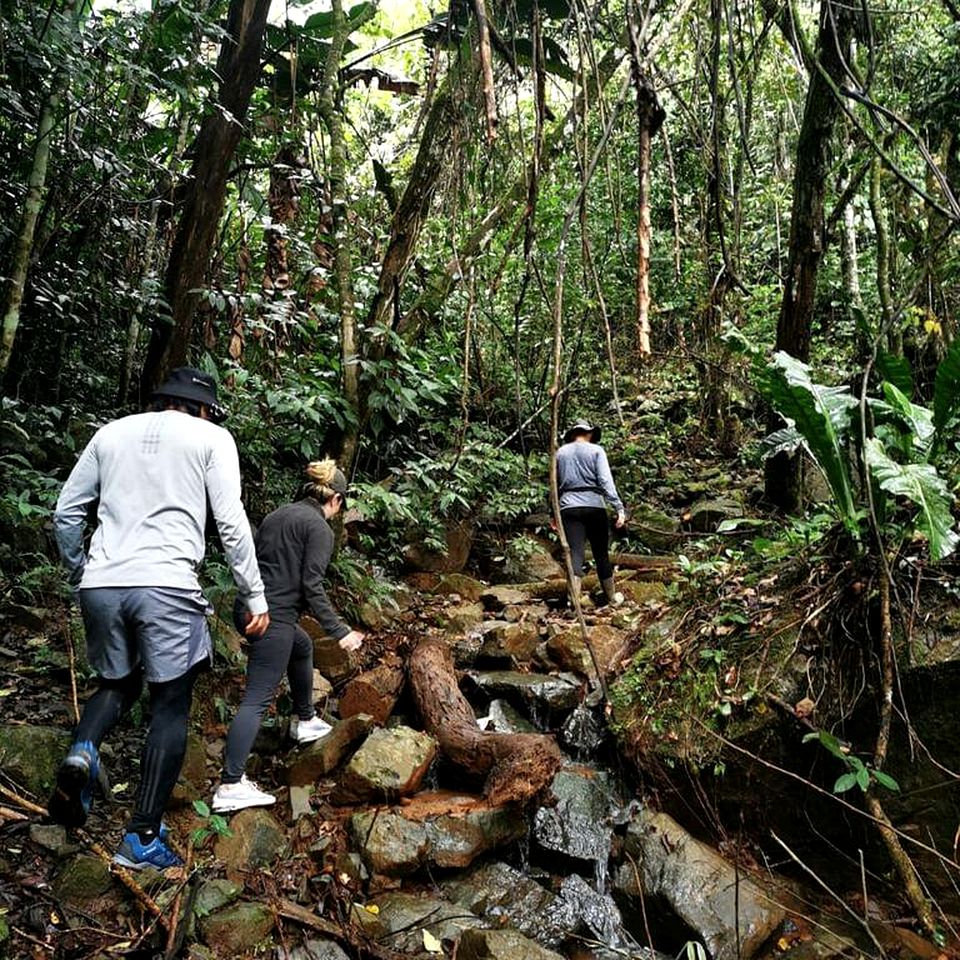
(166, 741)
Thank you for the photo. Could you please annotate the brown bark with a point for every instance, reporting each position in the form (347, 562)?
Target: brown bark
(807, 234)
(238, 67)
(374, 692)
(517, 767)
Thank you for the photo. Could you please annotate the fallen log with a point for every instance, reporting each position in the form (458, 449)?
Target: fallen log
(517, 766)
(374, 692)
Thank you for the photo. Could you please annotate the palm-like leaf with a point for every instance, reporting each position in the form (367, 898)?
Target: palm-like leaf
(822, 416)
(923, 486)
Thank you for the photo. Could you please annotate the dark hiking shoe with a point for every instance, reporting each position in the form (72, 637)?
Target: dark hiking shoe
(72, 796)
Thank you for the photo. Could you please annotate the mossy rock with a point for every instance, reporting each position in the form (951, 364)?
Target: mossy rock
(84, 878)
(236, 931)
(31, 755)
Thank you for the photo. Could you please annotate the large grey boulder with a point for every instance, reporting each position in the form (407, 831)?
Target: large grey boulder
(256, 840)
(569, 650)
(433, 829)
(390, 764)
(510, 641)
(498, 892)
(580, 825)
(729, 912)
(238, 930)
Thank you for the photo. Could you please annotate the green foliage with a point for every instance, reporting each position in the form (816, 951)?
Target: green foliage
(858, 773)
(213, 824)
(821, 417)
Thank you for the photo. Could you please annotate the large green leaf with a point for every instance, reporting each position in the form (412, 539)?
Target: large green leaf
(822, 415)
(925, 488)
(914, 418)
(946, 391)
(896, 370)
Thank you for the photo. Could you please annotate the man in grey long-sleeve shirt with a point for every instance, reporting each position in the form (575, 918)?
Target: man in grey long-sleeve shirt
(153, 475)
(585, 485)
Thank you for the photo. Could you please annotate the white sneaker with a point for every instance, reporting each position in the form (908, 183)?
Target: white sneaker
(236, 796)
(306, 731)
(617, 599)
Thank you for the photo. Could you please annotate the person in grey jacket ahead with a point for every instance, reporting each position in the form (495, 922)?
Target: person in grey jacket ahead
(585, 485)
(294, 546)
(153, 475)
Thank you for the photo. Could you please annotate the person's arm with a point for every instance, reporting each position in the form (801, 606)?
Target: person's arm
(223, 490)
(70, 517)
(606, 484)
(316, 555)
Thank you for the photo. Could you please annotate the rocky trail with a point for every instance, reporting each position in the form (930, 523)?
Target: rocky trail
(470, 802)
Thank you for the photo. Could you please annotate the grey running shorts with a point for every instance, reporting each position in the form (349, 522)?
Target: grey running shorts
(163, 628)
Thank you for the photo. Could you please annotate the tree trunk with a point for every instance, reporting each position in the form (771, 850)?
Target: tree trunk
(807, 237)
(32, 205)
(517, 766)
(342, 261)
(238, 67)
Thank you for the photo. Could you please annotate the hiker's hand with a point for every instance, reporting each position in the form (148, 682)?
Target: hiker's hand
(257, 624)
(621, 520)
(352, 641)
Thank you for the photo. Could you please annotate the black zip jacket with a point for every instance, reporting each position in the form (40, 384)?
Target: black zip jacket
(294, 546)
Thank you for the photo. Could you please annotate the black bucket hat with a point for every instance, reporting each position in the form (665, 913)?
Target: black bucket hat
(582, 426)
(189, 383)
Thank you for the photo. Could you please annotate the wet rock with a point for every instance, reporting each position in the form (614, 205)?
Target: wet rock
(214, 895)
(313, 950)
(238, 930)
(500, 894)
(597, 912)
(30, 618)
(537, 691)
(530, 559)
(433, 829)
(193, 773)
(580, 825)
(510, 641)
(582, 732)
(726, 909)
(53, 837)
(501, 945)
(30, 755)
(320, 757)
(654, 529)
(401, 918)
(84, 878)
(502, 718)
(568, 649)
(390, 764)
(706, 515)
(460, 617)
(460, 584)
(350, 868)
(496, 598)
(256, 841)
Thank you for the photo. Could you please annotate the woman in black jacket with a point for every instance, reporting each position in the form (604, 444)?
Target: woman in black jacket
(294, 546)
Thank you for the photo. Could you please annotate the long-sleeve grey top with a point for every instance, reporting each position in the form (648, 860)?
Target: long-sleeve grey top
(294, 545)
(584, 478)
(153, 475)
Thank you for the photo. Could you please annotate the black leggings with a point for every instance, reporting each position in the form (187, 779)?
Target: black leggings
(166, 742)
(284, 648)
(581, 524)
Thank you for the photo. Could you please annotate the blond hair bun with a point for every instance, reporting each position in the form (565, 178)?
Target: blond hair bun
(320, 472)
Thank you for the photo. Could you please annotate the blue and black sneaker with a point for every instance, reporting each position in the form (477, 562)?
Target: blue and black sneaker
(72, 796)
(134, 854)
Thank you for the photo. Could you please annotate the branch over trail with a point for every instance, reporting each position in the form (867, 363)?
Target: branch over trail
(517, 766)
